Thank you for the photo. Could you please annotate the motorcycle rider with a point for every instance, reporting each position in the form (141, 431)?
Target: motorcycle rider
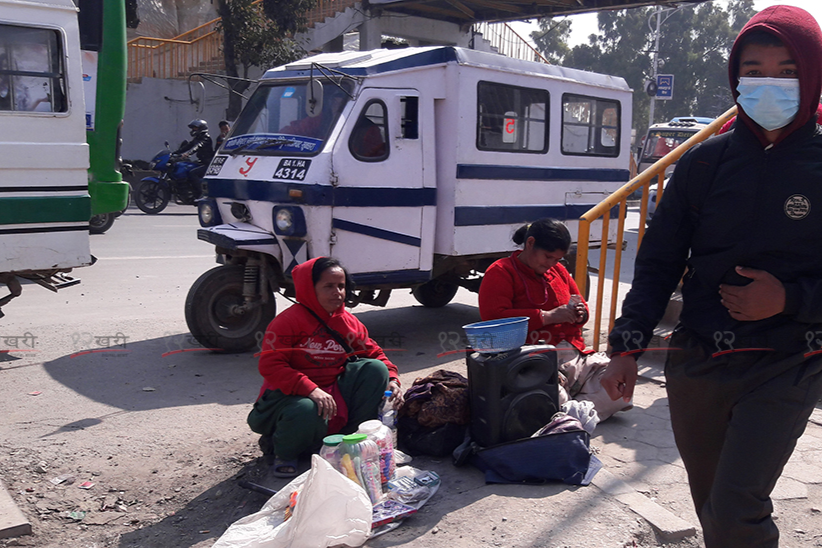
(201, 146)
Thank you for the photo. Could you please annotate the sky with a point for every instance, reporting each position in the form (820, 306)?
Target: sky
(586, 24)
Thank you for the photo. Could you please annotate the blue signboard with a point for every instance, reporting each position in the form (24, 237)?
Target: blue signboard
(665, 86)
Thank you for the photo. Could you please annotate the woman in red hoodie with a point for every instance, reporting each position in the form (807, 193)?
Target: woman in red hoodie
(322, 374)
(533, 283)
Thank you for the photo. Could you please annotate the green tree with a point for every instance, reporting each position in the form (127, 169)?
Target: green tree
(258, 35)
(552, 38)
(695, 42)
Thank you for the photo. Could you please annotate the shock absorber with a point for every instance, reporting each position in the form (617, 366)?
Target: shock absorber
(251, 274)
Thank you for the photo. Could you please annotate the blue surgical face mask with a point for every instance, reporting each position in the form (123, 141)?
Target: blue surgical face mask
(770, 102)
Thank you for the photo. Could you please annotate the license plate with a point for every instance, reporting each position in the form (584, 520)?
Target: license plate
(292, 169)
(216, 165)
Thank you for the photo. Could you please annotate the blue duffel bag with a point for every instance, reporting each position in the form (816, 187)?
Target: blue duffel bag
(559, 452)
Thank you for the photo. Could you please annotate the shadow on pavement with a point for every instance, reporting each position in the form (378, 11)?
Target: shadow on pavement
(157, 373)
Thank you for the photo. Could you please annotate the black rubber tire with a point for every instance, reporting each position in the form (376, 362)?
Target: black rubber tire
(208, 316)
(435, 294)
(101, 222)
(151, 197)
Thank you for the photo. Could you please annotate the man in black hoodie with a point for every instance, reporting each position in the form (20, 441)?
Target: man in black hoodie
(743, 215)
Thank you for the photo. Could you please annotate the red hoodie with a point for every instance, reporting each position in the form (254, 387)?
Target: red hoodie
(298, 353)
(800, 33)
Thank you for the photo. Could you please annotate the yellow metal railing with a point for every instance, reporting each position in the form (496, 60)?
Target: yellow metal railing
(201, 48)
(508, 42)
(620, 198)
(176, 57)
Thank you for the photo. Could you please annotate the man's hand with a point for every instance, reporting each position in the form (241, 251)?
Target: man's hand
(326, 405)
(620, 378)
(762, 298)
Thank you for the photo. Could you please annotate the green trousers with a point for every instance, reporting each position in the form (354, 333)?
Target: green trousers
(294, 423)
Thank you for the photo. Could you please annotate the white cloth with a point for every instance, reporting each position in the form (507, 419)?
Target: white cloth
(584, 412)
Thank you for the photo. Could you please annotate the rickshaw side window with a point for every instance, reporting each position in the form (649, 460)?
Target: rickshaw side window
(410, 117)
(590, 126)
(369, 138)
(512, 118)
(32, 74)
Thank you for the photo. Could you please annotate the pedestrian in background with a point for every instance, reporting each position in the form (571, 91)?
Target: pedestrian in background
(224, 129)
(743, 214)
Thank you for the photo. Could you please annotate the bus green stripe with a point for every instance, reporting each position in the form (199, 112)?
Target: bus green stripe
(45, 209)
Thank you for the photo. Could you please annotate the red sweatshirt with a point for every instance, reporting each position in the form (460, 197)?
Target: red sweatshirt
(299, 355)
(510, 289)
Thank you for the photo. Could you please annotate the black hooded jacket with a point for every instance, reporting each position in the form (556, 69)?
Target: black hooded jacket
(763, 210)
(200, 146)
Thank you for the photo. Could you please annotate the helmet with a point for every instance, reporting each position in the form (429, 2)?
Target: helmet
(197, 126)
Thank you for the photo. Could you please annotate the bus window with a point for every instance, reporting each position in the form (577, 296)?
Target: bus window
(31, 70)
(511, 119)
(590, 126)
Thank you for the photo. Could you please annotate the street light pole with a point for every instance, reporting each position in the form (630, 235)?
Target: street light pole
(655, 62)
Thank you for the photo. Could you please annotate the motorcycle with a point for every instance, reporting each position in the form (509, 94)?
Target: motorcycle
(153, 193)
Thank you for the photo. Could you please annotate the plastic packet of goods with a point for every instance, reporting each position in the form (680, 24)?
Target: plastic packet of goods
(388, 511)
(427, 479)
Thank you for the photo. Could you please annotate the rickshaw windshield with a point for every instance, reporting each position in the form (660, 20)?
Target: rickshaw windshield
(274, 122)
(661, 142)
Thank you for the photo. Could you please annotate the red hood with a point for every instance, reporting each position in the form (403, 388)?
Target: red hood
(304, 288)
(800, 33)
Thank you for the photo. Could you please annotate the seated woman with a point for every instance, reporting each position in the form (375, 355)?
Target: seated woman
(322, 374)
(533, 283)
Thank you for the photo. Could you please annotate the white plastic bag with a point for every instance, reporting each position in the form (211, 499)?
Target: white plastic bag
(331, 510)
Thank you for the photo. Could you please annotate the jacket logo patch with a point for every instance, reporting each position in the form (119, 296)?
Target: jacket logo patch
(797, 207)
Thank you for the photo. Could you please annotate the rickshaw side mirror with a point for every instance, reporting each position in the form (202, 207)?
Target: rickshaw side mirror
(314, 98)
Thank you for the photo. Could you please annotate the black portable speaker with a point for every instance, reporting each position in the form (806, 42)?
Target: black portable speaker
(513, 394)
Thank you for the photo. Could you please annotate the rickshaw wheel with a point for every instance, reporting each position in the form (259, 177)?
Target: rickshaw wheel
(210, 312)
(435, 294)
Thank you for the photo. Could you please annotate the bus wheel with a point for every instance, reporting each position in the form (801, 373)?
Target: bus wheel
(151, 197)
(214, 313)
(101, 222)
(435, 293)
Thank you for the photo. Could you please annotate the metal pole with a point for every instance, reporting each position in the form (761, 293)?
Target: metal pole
(655, 62)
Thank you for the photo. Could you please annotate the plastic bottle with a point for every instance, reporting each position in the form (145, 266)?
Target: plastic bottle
(330, 450)
(360, 461)
(388, 416)
(381, 435)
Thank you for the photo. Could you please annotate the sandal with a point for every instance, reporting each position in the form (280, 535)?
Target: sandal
(284, 468)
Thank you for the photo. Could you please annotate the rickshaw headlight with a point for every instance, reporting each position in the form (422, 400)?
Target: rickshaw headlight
(284, 220)
(208, 213)
(289, 221)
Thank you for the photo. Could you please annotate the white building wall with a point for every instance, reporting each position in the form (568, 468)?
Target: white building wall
(159, 110)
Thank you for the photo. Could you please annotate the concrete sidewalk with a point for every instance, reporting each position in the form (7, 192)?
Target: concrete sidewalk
(640, 498)
(637, 449)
